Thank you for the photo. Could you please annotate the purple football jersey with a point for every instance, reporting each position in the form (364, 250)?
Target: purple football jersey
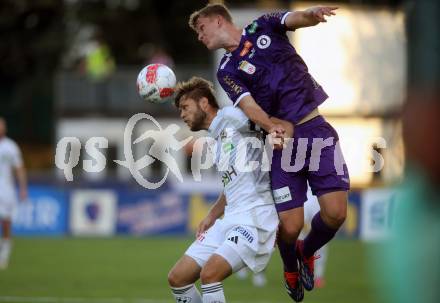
(266, 66)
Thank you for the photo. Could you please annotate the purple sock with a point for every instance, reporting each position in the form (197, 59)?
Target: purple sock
(319, 235)
(288, 255)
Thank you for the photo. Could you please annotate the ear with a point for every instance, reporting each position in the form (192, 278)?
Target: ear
(204, 104)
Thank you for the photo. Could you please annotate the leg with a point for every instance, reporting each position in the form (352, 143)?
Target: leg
(6, 229)
(185, 271)
(292, 221)
(213, 273)
(329, 181)
(181, 279)
(326, 223)
(242, 273)
(291, 224)
(320, 266)
(215, 270)
(259, 279)
(289, 190)
(5, 243)
(334, 208)
(220, 265)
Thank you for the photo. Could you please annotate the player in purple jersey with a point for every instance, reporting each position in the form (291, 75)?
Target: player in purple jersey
(262, 74)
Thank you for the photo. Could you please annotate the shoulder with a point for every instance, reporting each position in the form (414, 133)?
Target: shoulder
(234, 113)
(233, 116)
(9, 144)
(274, 21)
(275, 16)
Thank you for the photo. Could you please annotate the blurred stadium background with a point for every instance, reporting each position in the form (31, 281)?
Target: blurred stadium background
(68, 69)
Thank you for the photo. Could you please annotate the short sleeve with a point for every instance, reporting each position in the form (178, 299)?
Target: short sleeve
(233, 87)
(276, 21)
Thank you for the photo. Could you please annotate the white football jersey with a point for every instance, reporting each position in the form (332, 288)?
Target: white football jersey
(238, 155)
(10, 158)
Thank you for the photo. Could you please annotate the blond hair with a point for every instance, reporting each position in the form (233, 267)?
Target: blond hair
(208, 11)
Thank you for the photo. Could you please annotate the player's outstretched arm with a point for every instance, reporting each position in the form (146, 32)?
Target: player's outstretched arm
(309, 17)
(215, 212)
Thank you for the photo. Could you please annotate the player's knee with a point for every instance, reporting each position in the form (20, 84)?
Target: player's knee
(336, 217)
(174, 279)
(209, 275)
(340, 217)
(290, 231)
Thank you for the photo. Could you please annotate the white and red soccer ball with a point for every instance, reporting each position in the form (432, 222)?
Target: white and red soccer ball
(156, 83)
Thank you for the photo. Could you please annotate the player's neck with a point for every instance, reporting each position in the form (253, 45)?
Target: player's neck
(209, 118)
(234, 38)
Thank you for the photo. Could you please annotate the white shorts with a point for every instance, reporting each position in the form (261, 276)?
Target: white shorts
(8, 202)
(251, 235)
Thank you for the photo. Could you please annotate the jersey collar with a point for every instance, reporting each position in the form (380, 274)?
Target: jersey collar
(240, 45)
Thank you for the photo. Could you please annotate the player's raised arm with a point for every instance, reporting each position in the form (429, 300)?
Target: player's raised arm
(309, 17)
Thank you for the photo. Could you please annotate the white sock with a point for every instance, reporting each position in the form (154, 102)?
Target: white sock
(5, 250)
(213, 293)
(320, 263)
(186, 294)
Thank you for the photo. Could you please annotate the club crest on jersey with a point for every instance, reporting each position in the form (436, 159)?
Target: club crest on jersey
(247, 46)
(263, 41)
(247, 67)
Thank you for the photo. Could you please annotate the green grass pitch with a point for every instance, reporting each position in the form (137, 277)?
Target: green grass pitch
(119, 270)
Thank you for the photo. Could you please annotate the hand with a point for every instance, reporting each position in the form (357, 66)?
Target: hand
(283, 129)
(205, 225)
(23, 194)
(277, 130)
(318, 12)
(276, 142)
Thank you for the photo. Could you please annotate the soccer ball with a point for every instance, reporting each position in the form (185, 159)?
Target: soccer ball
(155, 83)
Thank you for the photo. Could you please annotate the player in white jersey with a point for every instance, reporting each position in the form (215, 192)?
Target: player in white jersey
(10, 162)
(245, 236)
(311, 207)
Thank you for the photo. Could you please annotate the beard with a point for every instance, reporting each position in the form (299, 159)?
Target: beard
(199, 120)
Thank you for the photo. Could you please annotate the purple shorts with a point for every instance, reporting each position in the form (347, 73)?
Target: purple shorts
(313, 156)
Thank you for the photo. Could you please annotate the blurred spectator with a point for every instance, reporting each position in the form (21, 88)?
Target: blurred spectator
(98, 62)
(410, 262)
(258, 279)
(154, 53)
(10, 162)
